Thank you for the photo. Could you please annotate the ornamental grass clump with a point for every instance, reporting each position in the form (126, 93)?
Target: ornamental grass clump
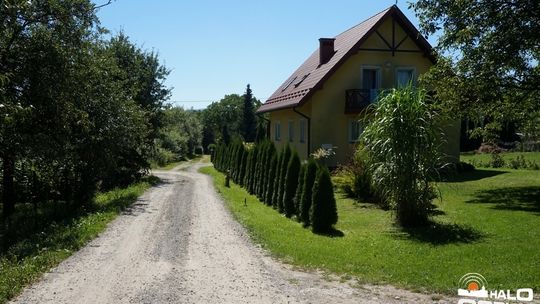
(400, 143)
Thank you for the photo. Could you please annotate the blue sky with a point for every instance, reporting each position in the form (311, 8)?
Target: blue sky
(217, 47)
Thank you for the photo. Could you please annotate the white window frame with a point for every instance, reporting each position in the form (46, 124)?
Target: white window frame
(404, 68)
(290, 130)
(378, 68)
(350, 128)
(302, 126)
(277, 130)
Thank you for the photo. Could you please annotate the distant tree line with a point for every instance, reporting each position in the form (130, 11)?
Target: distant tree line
(279, 179)
(233, 117)
(79, 111)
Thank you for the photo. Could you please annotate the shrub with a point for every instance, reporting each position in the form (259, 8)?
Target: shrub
(298, 195)
(243, 164)
(271, 150)
(282, 175)
(291, 183)
(275, 182)
(401, 144)
(271, 178)
(307, 188)
(496, 160)
(248, 172)
(518, 163)
(323, 213)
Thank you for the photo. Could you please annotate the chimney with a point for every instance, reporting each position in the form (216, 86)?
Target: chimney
(326, 50)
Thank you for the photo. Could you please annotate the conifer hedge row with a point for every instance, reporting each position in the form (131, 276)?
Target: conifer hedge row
(280, 180)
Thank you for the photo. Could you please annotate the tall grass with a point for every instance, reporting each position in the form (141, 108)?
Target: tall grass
(400, 144)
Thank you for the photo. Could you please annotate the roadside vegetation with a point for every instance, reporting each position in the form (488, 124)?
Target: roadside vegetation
(308, 198)
(511, 160)
(53, 235)
(474, 230)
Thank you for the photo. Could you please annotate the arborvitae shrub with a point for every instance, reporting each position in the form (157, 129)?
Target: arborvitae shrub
(247, 172)
(307, 188)
(299, 188)
(282, 175)
(239, 155)
(270, 153)
(243, 164)
(253, 173)
(272, 168)
(275, 182)
(323, 213)
(291, 183)
(259, 168)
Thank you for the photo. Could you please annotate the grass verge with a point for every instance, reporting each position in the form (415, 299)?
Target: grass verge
(486, 157)
(487, 222)
(25, 261)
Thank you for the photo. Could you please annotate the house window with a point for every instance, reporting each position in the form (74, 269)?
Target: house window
(371, 81)
(404, 76)
(355, 129)
(302, 124)
(277, 131)
(291, 130)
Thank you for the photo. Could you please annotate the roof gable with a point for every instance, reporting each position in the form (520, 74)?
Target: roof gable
(310, 76)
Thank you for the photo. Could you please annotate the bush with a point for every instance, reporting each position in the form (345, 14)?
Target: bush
(401, 144)
(323, 213)
(298, 195)
(271, 179)
(496, 160)
(307, 190)
(291, 183)
(275, 183)
(282, 174)
(518, 163)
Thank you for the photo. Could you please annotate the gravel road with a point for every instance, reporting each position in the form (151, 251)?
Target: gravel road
(179, 244)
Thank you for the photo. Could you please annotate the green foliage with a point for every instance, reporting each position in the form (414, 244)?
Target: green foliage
(323, 211)
(492, 66)
(78, 113)
(180, 133)
(307, 191)
(281, 178)
(275, 182)
(496, 160)
(291, 183)
(249, 121)
(298, 195)
(400, 144)
(272, 173)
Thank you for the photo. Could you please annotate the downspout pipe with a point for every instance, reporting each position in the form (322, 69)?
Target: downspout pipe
(308, 130)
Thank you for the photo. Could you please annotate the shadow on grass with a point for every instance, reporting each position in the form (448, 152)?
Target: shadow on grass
(441, 234)
(510, 198)
(332, 233)
(471, 176)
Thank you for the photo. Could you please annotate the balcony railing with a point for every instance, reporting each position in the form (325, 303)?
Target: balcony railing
(357, 100)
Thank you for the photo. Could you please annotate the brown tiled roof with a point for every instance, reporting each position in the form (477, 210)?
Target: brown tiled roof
(310, 76)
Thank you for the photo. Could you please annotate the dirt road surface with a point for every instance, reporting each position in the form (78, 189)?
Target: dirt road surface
(179, 244)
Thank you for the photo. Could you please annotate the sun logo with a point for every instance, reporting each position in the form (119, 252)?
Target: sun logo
(473, 285)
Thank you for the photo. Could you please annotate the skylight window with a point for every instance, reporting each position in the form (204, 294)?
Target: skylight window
(289, 84)
(301, 80)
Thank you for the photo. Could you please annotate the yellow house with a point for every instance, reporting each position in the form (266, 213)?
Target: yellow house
(318, 105)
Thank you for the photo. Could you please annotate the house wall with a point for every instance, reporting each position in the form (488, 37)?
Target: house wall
(330, 124)
(283, 117)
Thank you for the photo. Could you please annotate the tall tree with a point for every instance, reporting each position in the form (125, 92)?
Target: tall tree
(249, 121)
(491, 68)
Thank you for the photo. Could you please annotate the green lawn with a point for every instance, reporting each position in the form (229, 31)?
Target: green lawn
(486, 157)
(489, 222)
(36, 253)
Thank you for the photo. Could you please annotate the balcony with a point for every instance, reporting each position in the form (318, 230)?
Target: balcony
(357, 100)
